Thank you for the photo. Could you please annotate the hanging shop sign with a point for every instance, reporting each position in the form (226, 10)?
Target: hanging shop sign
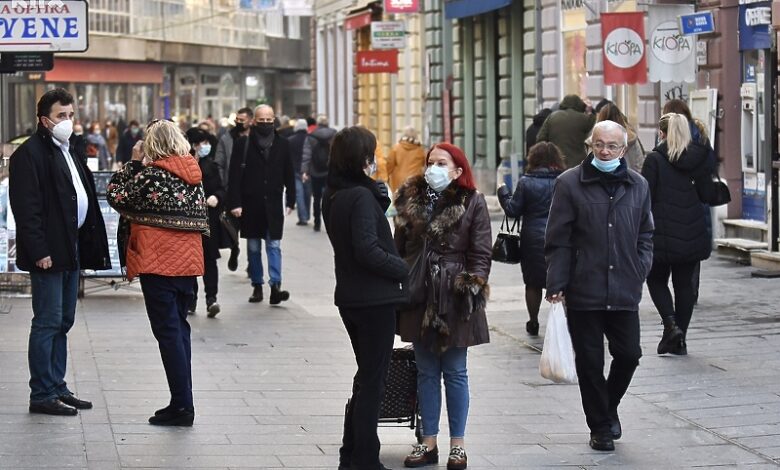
(623, 36)
(672, 55)
(388, 35)
(377, 61)
(402, 6)
(32, 26)
(454, 9)
(259, 5)
(697, 23)
(755, 19)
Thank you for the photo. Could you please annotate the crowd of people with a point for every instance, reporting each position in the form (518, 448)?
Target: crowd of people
(600, 217)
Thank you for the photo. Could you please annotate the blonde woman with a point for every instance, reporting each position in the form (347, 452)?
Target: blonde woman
(159, 192)
(680, 240)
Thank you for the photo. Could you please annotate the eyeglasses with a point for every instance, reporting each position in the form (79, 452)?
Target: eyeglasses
(612, 148)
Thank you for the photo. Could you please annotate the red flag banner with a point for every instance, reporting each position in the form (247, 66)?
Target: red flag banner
(623, 37)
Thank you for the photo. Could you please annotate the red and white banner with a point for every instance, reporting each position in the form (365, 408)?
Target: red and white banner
(402, 6)
(623, 37)
(377, 61)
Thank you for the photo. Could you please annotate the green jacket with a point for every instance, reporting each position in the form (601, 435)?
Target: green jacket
(568, 129)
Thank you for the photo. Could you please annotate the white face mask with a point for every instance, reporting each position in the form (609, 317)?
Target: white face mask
(438, 177)
(62, 130)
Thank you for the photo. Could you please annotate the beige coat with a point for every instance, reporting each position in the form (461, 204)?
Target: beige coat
(406, 159)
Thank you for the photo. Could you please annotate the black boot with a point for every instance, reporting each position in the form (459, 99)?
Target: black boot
(257, 295)
(671, 338)
(278, 296)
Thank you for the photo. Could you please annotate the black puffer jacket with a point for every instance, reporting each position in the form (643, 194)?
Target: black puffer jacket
(369, 271)
(680, 228)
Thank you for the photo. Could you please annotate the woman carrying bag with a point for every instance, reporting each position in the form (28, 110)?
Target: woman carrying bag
(681, 239)
(531, 201)
(444, 212)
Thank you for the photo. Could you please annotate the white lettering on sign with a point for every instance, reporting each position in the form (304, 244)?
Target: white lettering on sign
(748, 2)
(701, 21)
(758, 16)
(373, 62)
(624, 48)
(668, 45)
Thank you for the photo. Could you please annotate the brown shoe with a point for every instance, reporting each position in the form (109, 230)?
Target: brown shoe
(421, 456)
(457, 459)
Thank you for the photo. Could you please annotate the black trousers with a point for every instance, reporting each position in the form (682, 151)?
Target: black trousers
(600, 396)
(317, 188)
(166, 299)
(681, 308)
(210, 279)
(371, 331)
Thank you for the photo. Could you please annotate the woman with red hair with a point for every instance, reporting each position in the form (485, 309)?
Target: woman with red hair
(443, 218)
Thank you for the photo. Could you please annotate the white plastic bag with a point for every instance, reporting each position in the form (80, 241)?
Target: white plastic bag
(557, 363)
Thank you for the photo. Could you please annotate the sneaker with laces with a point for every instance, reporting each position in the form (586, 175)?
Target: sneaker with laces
(421, 456)
(457, 459)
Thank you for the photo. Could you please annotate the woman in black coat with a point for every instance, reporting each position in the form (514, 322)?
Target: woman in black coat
(681, 239)
(369, 277)
(531, 201)
(215, 200)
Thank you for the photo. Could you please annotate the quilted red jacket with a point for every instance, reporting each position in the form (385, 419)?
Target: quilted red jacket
(164, 250)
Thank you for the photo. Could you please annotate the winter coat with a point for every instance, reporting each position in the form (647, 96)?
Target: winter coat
(127, 141)
(531, 201)
(223, 153)
(459, 245)
(297, 141)
(259, 184)
(369, 271)
(533, 130)
(44, 203)
(599, 248)
(322, 136)
(568, 129)
(681, 234)
(212, 186)
(165, 205)
(406, 159)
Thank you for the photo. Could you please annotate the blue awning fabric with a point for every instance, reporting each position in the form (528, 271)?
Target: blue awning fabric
(462, 8)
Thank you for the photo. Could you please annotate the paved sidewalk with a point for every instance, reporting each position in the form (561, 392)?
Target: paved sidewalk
(271, 383)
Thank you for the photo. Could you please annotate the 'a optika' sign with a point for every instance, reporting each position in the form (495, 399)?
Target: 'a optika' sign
(623, 37)
(43, 26)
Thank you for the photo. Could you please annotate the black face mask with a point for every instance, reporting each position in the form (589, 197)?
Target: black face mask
(264, 128)
(240, 127)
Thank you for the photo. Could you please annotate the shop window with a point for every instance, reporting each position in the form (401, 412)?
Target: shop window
(141, 103)
(115, 103)
(87, 101)
(574, 70)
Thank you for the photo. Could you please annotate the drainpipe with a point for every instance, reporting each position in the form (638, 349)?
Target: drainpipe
(538, 52)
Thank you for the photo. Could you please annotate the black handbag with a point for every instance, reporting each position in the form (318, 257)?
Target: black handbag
(230, 226)
(417, 281)
(713, 193)
(506, 249)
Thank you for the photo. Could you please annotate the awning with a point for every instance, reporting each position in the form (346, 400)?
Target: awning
(358, 20)
(462, 8)
(97, 71)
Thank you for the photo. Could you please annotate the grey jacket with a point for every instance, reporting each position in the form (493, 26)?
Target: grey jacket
(323, 133)
(222, 157)
(599, 249)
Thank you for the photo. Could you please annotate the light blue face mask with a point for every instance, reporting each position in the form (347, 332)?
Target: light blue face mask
(606, 167)
(204, 150)
(438, 177)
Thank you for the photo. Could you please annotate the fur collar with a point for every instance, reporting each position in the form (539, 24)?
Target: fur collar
(411, 205)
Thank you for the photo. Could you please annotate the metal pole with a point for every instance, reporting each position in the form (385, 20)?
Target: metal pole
(4, 105)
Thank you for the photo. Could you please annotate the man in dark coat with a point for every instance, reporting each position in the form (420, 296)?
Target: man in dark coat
(599, 250)
(261, 169)
(314, 166)
(568, 128)
(127, 141)
(59, 230)
(302, 188)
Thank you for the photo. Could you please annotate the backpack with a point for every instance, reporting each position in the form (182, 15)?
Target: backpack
(320, 154)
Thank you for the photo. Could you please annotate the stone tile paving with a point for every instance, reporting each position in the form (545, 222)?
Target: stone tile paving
(271, 384)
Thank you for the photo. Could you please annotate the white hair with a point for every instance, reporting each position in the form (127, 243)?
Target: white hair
(322, 120)
(263, 106)
(609, 126)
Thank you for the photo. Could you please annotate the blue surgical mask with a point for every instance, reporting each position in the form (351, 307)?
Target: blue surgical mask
(438, 177)
(606, 167)
(204, 150)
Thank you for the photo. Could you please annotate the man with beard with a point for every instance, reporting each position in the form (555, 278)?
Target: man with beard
(260, 171)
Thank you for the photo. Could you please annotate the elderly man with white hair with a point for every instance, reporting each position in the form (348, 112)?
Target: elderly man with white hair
(599, 250)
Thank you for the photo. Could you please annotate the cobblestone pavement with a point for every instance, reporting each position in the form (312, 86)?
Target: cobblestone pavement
(271, 383)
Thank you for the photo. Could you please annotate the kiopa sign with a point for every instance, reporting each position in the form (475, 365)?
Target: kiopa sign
(43, 26)
(623, 36)
(377, 61)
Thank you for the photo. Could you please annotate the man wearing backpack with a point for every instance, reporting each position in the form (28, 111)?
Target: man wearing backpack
(315, 163)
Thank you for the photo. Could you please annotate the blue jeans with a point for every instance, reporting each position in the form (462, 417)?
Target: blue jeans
(54, 310)
(302, 198)
(430, 369)
(167, 299)
(273, 250)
